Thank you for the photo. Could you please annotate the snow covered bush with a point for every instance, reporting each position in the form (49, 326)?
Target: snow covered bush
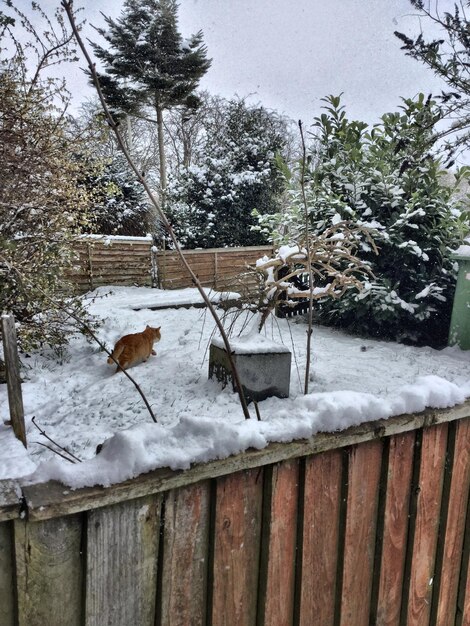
(42, 203)
(384, 178)
(211, 201)
(119, 206)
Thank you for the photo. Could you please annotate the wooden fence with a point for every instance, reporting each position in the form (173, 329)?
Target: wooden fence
(369, 526)
(135, 261)
(112, 261)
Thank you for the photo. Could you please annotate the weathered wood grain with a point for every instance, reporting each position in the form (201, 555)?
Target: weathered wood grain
(463, 600)
(12, 365)
(236, 550)
(48, 499)
(453, 527)
(279, 537)
(185, 556)
(423, 538)
(7, 597)
(364, 469)
(121, 568)
(320, 541)
(110, 261)
(394, 529)
(49, 571)
(10, 500)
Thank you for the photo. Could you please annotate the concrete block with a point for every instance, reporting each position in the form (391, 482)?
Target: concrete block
(263, 366)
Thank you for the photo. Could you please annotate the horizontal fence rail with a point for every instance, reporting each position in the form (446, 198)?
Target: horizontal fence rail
(370, 526)
(102, 260)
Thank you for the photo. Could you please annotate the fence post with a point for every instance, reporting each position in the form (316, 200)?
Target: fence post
(90, 265)
(154, 267)
(12, 364)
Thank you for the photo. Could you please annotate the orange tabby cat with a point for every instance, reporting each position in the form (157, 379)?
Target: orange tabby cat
(131, 349)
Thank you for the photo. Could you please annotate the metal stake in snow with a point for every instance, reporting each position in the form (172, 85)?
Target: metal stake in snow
(12, 364)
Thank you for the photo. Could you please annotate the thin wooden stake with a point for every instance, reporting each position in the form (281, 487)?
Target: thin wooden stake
(12, 364)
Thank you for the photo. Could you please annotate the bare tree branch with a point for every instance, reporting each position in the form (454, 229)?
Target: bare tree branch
(68, 6)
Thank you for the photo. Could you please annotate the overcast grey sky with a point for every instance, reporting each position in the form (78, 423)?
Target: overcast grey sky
(288, 55)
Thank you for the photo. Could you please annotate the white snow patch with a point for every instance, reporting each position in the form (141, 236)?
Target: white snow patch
(81, 403)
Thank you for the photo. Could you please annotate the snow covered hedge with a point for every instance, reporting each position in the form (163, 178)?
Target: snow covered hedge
(386, 180)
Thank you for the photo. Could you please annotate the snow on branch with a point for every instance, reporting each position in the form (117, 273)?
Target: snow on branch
(334, 267)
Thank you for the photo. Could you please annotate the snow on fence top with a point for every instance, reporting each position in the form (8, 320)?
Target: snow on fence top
(111, 238)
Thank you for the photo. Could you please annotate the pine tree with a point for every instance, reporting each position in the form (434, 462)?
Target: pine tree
(148, 64)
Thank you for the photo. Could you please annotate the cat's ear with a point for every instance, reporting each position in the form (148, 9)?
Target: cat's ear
(147, 326)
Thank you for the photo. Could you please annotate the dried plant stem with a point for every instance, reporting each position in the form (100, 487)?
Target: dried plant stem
(73, 459)
(309, 260)
(44, 445)
(68, 6)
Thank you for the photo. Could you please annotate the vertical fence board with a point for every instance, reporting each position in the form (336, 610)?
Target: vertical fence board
(12, 364)
(395, 528)
(463, 601)
(49, 571)
(454, 526)
(277, 572)
(364, 469)
(237, 530)
(7, 597)
(121, 571)
(426, 525)
(185, 550)
(320, 538)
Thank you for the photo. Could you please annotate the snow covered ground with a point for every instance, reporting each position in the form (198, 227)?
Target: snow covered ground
(81, 403)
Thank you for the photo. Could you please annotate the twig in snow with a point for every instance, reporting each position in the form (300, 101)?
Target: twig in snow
(44, 434)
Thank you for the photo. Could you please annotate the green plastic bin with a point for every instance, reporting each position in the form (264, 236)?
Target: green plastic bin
(459, 334)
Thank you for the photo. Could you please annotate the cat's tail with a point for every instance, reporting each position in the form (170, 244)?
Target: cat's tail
(116, 354)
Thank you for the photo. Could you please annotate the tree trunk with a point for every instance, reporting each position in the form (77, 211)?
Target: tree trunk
(161, 148)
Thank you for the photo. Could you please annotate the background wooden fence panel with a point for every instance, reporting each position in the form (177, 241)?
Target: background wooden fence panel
(216, 267)
(134, 261)
(367, 526)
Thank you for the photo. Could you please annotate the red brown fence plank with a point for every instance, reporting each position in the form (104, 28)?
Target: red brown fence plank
(395, 528)
(185, 549)
(454, 526)
(279, 556)
(237, 531)
(364, 469)
(463, 609)
(426, 525)
(321, 510)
